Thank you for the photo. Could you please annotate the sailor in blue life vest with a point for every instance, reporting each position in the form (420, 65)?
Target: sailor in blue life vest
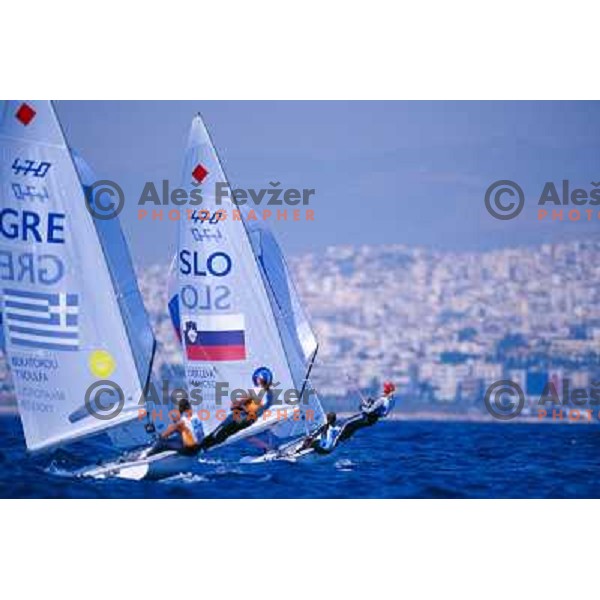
(327, 437)
(244, 411)
(371, 410)
(324, 439)
(380, 407)
(183, 435)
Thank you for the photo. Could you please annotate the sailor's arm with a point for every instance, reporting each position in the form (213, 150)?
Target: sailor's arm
(240, 403)
(311, 437)
(171, 429)
(239, 408)
(237, 404)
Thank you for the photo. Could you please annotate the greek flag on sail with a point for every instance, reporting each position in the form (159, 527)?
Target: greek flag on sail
(47, 321)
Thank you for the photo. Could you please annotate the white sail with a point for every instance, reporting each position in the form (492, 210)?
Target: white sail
(70, 306)
(299, 341)
(229, 317)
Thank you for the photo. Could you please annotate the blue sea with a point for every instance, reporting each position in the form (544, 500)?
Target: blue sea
(399, 459)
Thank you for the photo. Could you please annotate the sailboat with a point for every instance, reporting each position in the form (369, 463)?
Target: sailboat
(236, 297)
(76, 333)
(234, 308)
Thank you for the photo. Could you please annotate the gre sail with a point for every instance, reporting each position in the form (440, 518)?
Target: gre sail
(235, 307)
(72, 313)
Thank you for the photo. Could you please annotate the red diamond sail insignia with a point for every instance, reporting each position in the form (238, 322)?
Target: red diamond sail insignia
(25, 114)
(199, 173)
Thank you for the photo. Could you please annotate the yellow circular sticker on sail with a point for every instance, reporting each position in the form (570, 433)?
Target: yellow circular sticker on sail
(101, 364)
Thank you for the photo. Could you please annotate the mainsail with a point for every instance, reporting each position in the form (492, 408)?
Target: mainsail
(236, 307)
(71, 310)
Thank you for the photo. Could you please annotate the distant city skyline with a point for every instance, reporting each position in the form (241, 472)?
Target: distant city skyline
(443, 325)
(411, 173)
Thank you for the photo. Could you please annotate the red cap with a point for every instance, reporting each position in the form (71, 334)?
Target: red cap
(388, 387)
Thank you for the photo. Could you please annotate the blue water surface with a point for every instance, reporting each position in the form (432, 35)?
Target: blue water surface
(391, 460)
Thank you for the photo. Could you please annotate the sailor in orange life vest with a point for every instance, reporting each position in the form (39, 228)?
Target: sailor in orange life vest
(245, 411)
(327, 437)
(183, 435)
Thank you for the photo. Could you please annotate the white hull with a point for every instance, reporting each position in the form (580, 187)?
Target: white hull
(288, 453)
(159, 466)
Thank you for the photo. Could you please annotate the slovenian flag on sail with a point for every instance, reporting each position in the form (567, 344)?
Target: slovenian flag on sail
(215, 337)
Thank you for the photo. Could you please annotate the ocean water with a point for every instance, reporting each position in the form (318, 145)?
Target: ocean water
(390, 460)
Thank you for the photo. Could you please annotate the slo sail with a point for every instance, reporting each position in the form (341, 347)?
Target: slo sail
(72, 313)
(236, 307)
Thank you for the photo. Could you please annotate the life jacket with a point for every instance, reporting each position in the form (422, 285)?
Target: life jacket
(328, 437)
(386, 407)
(191, 432)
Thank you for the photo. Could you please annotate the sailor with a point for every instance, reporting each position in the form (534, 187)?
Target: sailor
(382, 406)
(183, 435)
(246, 410)
(324, 439)
(261, 397)
(327, 437)
(371, 410)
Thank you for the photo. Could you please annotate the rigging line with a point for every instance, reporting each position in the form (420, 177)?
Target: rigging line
(306, 379)
(355, 387)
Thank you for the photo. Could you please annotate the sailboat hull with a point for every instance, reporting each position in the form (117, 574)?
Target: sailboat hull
(158, 466)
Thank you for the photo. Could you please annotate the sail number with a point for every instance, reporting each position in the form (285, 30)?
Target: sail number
(28, 226)
(30, 167)
(205, 297)
(217, 264)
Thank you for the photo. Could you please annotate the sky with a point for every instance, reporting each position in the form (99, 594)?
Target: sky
(411, 173)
